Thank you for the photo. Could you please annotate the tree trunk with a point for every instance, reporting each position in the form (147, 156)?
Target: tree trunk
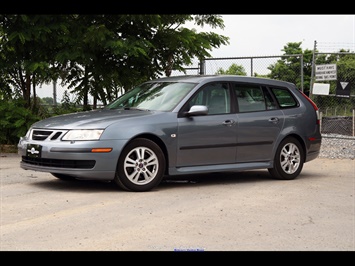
(34, 91)
(95, 103)
(28, 91)
(85, 101)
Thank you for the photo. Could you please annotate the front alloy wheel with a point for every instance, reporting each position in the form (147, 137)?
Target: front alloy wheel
(141, 166)
(289, 160)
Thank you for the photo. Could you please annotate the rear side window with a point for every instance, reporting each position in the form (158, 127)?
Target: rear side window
(284, 97)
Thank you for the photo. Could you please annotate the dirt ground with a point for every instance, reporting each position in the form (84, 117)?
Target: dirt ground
(241, 211)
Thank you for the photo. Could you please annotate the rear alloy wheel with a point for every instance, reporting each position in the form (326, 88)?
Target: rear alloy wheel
(289, 159)
(141, 166)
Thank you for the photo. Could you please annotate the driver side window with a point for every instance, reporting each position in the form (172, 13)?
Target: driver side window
(215, 96)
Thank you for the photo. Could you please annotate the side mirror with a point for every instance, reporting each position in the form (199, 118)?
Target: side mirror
(197, 110)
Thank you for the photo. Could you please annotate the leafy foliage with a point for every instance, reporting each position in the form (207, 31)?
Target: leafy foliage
(98, 55)
(233, 69)
(15, 120)
(288, 68)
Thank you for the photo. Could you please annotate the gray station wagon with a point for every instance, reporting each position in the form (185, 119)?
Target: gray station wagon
(180, 125)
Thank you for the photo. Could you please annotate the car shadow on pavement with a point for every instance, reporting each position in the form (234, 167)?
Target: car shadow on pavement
(218, 178)
(197, 180)
(215, 179)
(76, 185)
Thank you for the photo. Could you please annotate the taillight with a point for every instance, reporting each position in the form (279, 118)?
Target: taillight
(316, 109)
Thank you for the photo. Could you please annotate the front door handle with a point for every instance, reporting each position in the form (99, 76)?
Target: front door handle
(229, 122)
(274, 120)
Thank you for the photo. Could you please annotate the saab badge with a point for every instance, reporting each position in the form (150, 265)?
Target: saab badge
(34, 150)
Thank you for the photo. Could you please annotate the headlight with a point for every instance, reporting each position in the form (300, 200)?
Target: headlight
(83, 134)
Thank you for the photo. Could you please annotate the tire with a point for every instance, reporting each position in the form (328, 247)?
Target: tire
(63, 177)
(141, 166)
(289, 160)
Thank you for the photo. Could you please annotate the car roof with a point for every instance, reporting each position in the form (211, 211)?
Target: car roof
(210, 78)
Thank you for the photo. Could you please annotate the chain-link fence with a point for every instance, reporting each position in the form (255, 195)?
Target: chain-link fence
(337, 111)
(333, 91)
(249, 66)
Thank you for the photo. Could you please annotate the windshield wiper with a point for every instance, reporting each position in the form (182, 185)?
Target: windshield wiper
(134, 108)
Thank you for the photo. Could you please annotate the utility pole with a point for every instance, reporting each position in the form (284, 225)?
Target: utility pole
(313, 68)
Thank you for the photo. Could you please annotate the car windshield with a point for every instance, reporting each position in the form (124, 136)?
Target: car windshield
(159, 96)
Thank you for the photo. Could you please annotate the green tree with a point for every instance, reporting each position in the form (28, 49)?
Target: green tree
(47, 100)
(28, 45)
(233, 69)
(99, 55)
(288, 68)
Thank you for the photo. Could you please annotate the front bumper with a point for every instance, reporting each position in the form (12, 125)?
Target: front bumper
(73, 158)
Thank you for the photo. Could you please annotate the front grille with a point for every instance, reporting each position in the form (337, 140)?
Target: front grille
(77, 164)
(42, 135)
(56, 135)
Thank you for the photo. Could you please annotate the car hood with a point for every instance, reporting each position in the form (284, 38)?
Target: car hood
(101, 118)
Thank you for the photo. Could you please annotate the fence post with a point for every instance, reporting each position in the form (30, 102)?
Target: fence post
(353, 122)
(202, 67)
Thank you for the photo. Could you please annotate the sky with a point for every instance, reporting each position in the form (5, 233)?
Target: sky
(266, 35)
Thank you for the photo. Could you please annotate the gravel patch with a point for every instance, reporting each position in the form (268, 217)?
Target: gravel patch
(337, 147)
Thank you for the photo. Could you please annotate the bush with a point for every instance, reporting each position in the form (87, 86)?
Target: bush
(15, 120)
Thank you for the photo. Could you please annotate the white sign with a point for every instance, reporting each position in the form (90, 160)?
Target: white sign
(321, 88)
(326, 72)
